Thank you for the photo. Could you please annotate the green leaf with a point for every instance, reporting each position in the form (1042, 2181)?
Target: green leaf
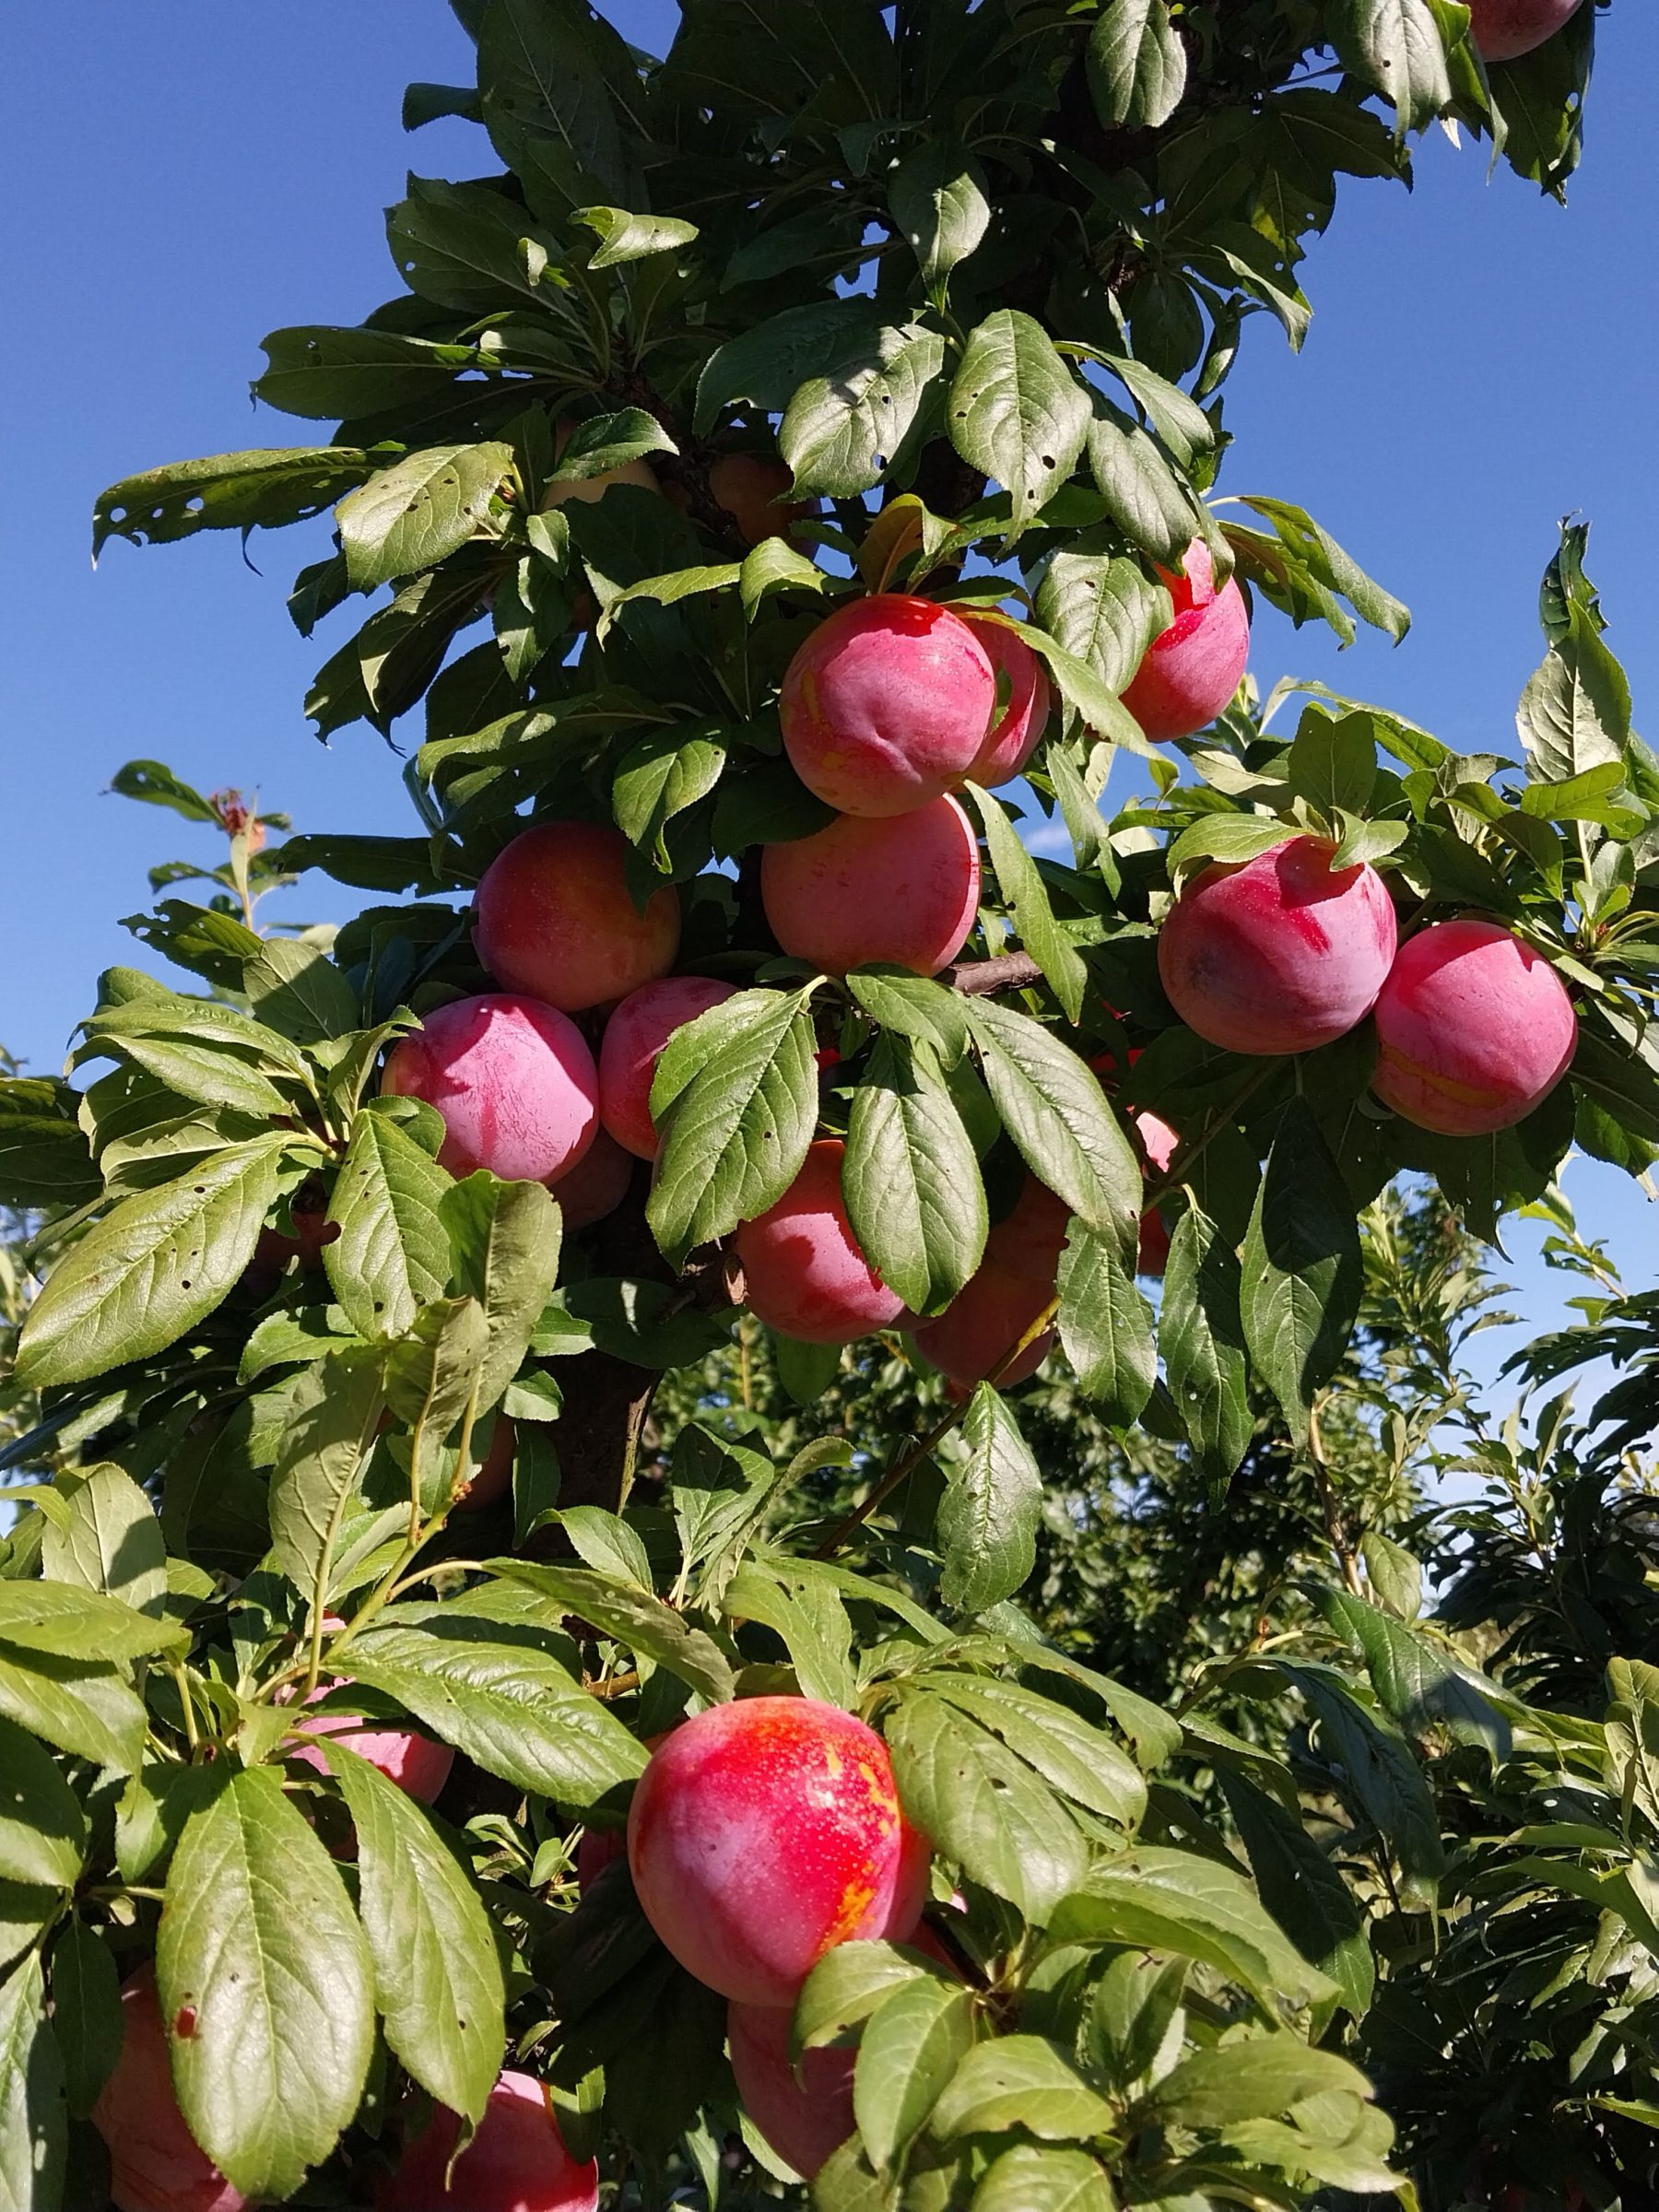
(110, 1540)
(1255, 2079)
(937, 196)
(1030, 2178)
(67, 1622)
(1136, 64)
(916, 1007)
(1145, 496)
(86, 2013)
(1021, 2081)
(633, 1616)
(1333, 763)
(659, 776)
(1158, 1898)
(437, 1975)
(148, 1272)
(850, 1982)
(624, 237)
(1418, 1684)
(85, 1711)
(44, 1158)
(505, 1702)
(1056, 1113)
(983, 1806)
(605, 441)
(766, 364)
(1314, 548)
(1374, 1771)
(911, 1178)
(1034, 924)
(913, 2044)
(557, 87)
(846, 426)
(1574, 714)
(33, 2130)
(227, 491)
(1070, 1753)
(333, 1411)
(1395, 46)
(505, 1238)
(735, 1097)
(417, 513)
(432, 1380)
(43, 1832)
(1301, 1889)
(1017, 412)
(328, 374)
(1104, 609)
(259, 1942)
(1201, 1335)
(297, 990)
(1131, 2011)
(1106, 1327)
(988, 1515)
(391, 1256)
(1303, 1274)
(1394, 1574)
(801, 1603)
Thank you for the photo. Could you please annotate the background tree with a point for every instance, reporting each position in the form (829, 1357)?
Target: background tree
(753, 368)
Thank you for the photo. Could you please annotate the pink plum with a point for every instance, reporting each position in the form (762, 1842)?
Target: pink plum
(516, 2161)
(596, 1186)
(415, 1762)
(1160, 1142)
(1190, 670)
(1279, 954)
(749, 486)
(633, 1040)
(1505, 29)
(1015, 738)
(803, 2116)
(803, 1273)
(555, 918)
(886, 704)
(763, 1833)
(1474, 1029)
(156, 2164)
(1005, 1295)
(903, 890)
(513, 1079)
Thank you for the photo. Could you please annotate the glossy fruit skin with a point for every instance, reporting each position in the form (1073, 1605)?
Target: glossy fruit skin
(1190, 670)
(804, 2116)
(1505, 29)
(513, 1079)
(494, 1478)
(887, 705)
(903, 890)
(517, 2162)
(633, 1040)
(1015, 737)
(554, 918)
(803, 1273)
(156, 2164)
(763, 1833)
(1278, 955)
(1003, 1296)
(416, 1763)
(1474, 1029)
(596, 1186)
(1160, 1142)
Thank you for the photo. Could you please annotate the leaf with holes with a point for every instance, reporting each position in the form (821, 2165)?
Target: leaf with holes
(227, 491)
(1017, 412)
(414, 513)
(847, 428)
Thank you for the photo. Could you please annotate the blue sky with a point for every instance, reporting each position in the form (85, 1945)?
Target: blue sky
(187, 175)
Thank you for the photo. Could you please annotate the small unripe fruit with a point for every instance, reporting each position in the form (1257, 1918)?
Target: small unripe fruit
(156, 2164)
(632, 1043)
(515, 2162)
(765, 1832)
(555, 918)
(887, 705)
(904, 889)
(584, 490)
(1279, 954)
(803, 2116)
(803, 1273)
(596, 1186)
(1015, 735)
(1190, 670)
(1505, 29)
(513, 1079)
(1473, 1030)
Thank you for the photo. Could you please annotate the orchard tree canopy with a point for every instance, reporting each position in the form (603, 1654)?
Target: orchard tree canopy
(603, 1340)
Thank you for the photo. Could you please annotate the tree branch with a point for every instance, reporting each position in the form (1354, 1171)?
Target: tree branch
(978, 979)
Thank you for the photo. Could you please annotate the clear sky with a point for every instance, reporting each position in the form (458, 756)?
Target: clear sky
(187, 174)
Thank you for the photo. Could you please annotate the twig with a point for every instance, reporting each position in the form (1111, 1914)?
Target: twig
(978, 979)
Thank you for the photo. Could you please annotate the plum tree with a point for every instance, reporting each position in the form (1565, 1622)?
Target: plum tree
(886, 704)
(516, 2161)
(1475, 1029)
(596, 1186)
(555, 918)
(156, 2164)
(633, 1042)
(803, 1273)
(1192, 669)
(1015, 735)
(1505, 29)
(903, 889)
(514, 1079)
(765, 1832)
(1278, 954)
(804, 2112)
